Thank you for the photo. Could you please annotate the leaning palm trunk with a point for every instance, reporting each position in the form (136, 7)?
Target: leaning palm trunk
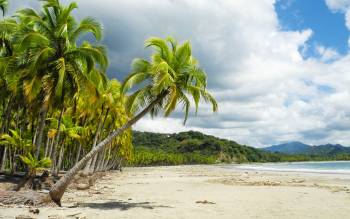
(55, 146)
(101, 158)
(60, 160)
(60, 186)
(78, 154)
(94, 162)
(99, 127)
(106, 161)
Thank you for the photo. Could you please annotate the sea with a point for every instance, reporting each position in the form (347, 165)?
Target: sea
(329, 167)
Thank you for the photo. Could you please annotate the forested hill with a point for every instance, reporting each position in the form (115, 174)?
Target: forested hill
(197, 148)
(300, 148)
(192, 147)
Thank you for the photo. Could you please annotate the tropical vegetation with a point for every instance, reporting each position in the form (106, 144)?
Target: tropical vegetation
(192, 147)
(58, 107)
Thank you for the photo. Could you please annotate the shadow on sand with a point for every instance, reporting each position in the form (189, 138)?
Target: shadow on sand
(122, 205)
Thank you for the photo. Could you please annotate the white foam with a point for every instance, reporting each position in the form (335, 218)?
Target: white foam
(293, 167)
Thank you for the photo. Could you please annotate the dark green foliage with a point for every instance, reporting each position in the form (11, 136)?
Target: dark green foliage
(149, 157)
(197, 148)
(192, 148)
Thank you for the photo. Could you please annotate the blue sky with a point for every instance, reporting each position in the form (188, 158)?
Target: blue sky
(328, 27)
(280, 69)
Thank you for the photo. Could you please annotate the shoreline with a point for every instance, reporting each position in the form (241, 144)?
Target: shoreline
(273, 167)
(203, 191)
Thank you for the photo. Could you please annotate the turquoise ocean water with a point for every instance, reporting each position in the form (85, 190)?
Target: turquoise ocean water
(342, 167)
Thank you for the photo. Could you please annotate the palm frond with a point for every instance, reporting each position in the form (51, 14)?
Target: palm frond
(31, 88)
(161, 46)
(34, 39)
(61, 69)
(3, 6)
(210, 99)
(183, 53)
(133, 80)
(87, 25)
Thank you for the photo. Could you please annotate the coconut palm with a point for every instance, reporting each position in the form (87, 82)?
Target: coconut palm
(68, 130)
(16, 142)
(34, 165)
(57, 66)
(8, 82)
(169, 78)
(48, 71)
(110, 100)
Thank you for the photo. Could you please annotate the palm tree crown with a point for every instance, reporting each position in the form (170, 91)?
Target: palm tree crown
(57, 64)
(172, 73)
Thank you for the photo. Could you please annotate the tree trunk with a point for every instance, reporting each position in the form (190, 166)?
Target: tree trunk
(99, 127)
(94, 160)
(10, 160)
(47, 146)
(14, 163)
(78, 154)
(6, 116)
(41, 127)
(3, 163)
(34, 136)
(111, 165)
(60, 159)
(54, 148)
(105, 161)
(60, 186)
(99, 161)
(5, 125)
(49, 153)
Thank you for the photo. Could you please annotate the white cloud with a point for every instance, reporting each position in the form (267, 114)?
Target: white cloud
(338, 5)
(255, 69)
(267, 92)
(327, 54)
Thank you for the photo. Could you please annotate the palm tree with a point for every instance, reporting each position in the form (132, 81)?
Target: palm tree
(33, 165)
(68, 130)
(169, 78)
(3, 6)
(8, 82)
(57, 65)
(15, 141)
(48, 71)
(110, 100)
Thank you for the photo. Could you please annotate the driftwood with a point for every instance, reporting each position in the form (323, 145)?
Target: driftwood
(29, 198)
(23, 193)
(205, 202)
(36, 183)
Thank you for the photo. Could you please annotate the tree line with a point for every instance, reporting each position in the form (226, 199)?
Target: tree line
(151, 149)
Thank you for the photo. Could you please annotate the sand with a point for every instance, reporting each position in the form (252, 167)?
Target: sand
(203, 192)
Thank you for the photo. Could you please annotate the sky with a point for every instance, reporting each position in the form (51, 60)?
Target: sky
(280, 69)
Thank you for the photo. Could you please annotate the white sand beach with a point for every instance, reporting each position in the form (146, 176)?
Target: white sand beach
(203, 192)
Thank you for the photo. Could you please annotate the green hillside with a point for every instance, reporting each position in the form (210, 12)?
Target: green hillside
(192, 148)
(197, 148)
